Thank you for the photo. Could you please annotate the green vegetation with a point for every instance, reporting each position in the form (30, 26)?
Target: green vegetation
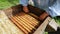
(57, 19)
(7, 3)
(46, 32)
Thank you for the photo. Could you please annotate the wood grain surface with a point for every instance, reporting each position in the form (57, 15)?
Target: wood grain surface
(6, 26)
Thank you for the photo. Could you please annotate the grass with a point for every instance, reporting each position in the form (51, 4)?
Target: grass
(57, 19)
(7, 3)
(4, 4)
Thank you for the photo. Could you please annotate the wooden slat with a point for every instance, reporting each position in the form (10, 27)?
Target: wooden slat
(6, 26)
(42, 27)
(52, 27)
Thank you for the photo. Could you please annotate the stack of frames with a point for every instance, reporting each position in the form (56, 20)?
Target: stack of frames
(25, 22)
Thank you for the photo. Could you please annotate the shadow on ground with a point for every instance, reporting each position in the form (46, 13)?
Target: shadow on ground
(57, 32)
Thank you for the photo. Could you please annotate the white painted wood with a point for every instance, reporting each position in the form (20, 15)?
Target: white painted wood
(53, 24)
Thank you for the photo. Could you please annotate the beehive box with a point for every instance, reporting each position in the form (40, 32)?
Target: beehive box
(27, 23)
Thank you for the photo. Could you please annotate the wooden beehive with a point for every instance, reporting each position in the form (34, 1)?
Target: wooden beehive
(28, 23)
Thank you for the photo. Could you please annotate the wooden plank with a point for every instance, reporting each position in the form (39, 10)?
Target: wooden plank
(52, 26)
(42, 27)
(6, 26)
